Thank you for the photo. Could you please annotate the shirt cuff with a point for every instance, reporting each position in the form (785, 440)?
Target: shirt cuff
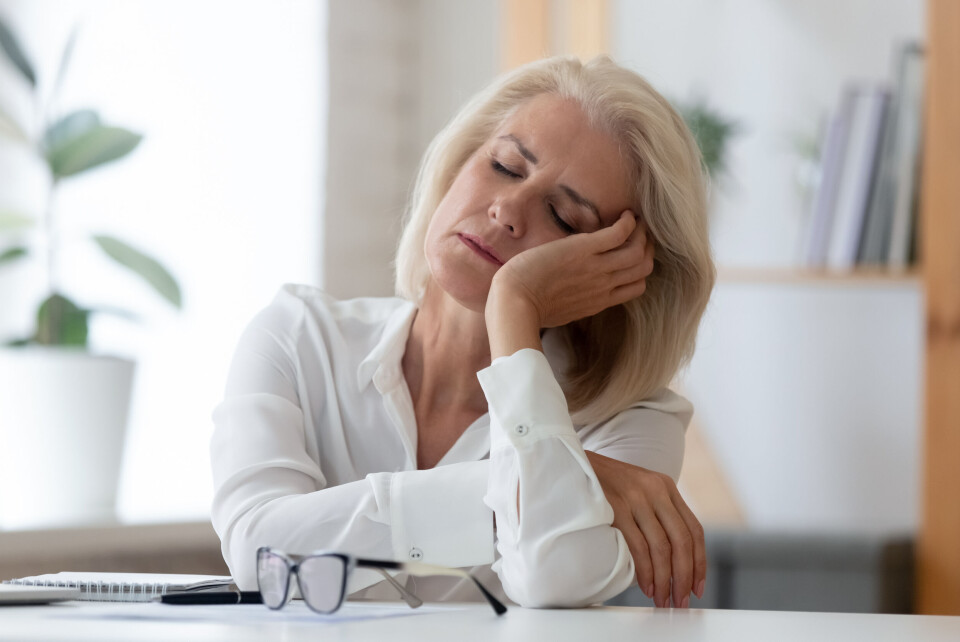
(438, 515)
(526, 402)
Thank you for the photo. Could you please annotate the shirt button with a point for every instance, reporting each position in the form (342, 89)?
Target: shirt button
(521, 430)
(416, 553)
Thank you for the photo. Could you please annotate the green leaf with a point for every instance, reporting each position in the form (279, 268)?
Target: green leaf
(95, 147)
(12, 254)
(13, 221)
(17, 343)
(11, 128)
(712, 132)
(149, 269)
(72, 126)
(10, 46)
(60, 322)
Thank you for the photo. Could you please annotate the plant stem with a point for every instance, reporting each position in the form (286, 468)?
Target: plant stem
(50, 231)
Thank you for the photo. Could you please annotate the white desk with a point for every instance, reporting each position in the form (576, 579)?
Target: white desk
(457, 623)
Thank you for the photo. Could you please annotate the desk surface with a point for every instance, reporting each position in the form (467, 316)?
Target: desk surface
(397, 622)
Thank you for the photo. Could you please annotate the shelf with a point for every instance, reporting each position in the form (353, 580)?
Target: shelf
(861, 276)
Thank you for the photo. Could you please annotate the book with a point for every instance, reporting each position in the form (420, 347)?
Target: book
(857, 174)
(875, 245)
(125, 587)
(910, 129)
(834, 149)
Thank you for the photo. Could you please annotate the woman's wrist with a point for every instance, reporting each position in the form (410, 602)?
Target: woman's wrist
(513, 322)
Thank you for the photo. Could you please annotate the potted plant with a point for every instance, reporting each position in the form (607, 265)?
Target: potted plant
(63, 408)
(712, 131)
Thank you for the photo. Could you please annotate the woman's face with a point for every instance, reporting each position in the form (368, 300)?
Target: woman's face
(544, 174)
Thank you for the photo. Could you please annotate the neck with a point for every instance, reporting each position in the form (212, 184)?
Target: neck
(447, 346)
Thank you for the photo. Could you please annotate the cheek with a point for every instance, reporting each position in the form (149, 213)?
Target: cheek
(469, 193)
(430, 242)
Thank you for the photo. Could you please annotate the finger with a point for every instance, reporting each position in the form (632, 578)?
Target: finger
(615, 235)
(640, 234)
(625, 279)
(627, 292)
(637, 248)
(633, 271)
(660, 553)
(640, 552)
(699, 543)
(681, 548)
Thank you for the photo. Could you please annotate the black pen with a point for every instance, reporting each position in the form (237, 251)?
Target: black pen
(219, 597)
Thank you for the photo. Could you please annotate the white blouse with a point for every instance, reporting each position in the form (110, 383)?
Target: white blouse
(315, 448)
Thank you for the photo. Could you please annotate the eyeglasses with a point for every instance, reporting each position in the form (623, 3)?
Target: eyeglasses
(322, 578)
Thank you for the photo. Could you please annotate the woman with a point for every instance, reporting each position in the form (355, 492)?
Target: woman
(509, 412)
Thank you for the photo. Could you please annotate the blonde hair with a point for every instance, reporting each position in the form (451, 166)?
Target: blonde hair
(631, 351)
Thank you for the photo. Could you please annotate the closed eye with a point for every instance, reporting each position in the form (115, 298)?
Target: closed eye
(497, 167)
(562, 224)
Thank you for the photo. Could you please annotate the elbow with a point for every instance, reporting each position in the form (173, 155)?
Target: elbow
(239, 552)
(553, 589)
(239, 541)
(564, 579)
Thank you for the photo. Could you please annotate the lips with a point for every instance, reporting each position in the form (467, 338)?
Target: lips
(476, 244)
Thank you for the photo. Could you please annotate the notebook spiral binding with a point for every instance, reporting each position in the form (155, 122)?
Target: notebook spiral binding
(105, 591)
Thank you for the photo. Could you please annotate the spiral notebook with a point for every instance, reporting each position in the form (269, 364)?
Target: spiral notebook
(126, 587)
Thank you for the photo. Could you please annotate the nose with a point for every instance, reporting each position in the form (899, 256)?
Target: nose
(508, 210)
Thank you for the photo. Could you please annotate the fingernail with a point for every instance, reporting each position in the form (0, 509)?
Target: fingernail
(649, 590)
(685, 603)
(700, 589)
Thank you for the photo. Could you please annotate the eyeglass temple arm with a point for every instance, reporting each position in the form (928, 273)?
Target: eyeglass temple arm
(407, 596)
(419, 568)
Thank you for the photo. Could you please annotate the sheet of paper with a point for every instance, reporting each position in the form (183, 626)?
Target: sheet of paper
(296, 611)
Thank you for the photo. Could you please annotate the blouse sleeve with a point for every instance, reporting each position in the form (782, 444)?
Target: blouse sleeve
(555, 537)
(269, 491)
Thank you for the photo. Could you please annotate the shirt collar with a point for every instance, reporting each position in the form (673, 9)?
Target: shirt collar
(389, 348)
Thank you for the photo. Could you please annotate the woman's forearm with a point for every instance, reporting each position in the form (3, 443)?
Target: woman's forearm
(268, 491)
(556, 543)
(512, 322)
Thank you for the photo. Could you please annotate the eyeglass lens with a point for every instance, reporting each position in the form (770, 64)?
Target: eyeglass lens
(273, 578)
(322, 582)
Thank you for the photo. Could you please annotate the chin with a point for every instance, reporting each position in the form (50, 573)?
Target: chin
(469, 290)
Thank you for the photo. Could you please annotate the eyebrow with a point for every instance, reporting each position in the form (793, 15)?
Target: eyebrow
(526, 153)
(572, 193)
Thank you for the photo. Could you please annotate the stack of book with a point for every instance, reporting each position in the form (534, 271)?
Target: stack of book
(865, 209)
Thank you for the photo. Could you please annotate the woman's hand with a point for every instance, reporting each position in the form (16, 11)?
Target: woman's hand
(565, 280)
(662, 533)
(580, 275)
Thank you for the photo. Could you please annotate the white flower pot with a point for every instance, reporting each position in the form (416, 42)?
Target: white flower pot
(63, 417)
